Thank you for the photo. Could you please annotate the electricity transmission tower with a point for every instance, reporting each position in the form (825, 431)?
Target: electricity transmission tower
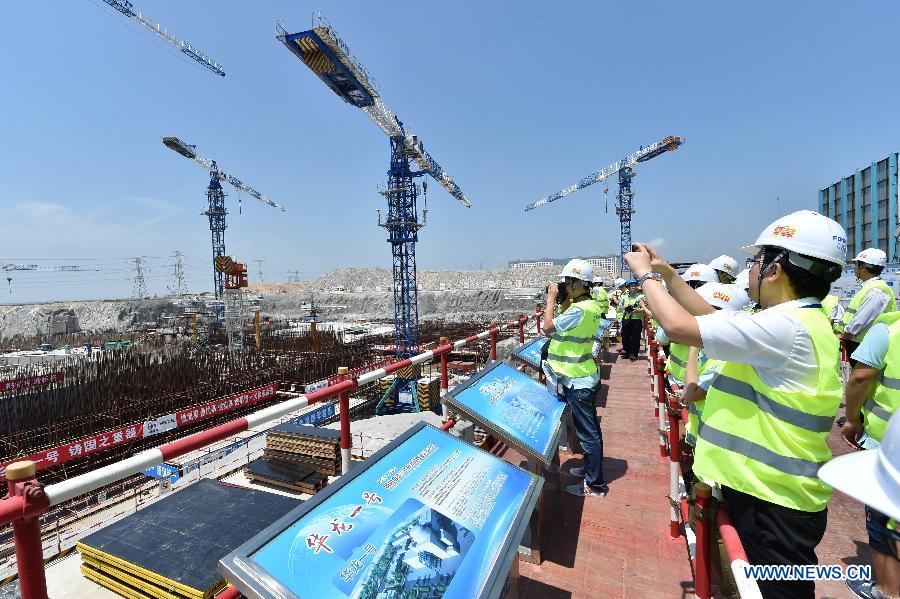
(178, 286)
(259, 269)
(140, 284)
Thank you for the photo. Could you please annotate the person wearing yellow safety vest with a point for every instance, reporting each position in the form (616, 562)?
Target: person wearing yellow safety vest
(700, 371)
(873, 396)
(762, 433)
(632, 319)
(614, 299)
(873, 477)
(725, 267)
(872, 300)
(602, 298)
(834, 310)
(571, 363)
(695, 275)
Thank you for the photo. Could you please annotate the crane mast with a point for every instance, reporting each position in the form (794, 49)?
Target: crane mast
(215, 198)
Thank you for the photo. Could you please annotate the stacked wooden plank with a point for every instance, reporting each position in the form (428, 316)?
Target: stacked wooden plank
(298, 457)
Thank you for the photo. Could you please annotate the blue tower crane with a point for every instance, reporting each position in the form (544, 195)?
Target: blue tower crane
(625, 197)
(216, 211)
(325, 53)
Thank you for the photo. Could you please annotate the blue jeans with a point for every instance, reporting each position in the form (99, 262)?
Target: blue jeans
(587, 427)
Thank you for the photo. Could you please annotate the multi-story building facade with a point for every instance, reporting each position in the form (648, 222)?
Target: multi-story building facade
(865, 204)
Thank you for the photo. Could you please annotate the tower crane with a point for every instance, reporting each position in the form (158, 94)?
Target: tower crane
(127, 8)
(326, 54)
(216, 197)
(625, 197)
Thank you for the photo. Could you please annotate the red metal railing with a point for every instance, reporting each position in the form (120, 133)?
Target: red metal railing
(27, 500)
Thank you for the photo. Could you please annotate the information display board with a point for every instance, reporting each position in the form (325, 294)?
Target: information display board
(514, 407)
(530, 352)
(428, 514)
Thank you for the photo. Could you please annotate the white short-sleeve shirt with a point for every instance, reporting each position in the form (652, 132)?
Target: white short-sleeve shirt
(774, 342)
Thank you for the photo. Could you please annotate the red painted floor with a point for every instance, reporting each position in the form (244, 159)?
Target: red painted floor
(619, 546)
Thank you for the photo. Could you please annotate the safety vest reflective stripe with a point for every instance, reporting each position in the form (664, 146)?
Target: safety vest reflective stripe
(678, 360)
(570, 359)
(810, 422)
(889, 382)
(876, 409)
(570, 338)
(754, 451)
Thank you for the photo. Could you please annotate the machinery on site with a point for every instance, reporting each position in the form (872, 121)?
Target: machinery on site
(625, 198)
(127, 8)
(326, 54)
(216, 197)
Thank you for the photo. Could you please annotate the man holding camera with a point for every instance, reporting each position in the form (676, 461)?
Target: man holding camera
(570, 357)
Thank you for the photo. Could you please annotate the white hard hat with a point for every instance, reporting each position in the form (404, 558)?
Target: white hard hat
(700, 272)
(871, 476)
(807, 233)
(724, 295)
(742, 279)
(872, 256)
(618, 282)
(578, 269)
(598, 279)
(724, 263)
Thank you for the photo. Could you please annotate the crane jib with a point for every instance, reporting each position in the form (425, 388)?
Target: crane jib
(667, 144)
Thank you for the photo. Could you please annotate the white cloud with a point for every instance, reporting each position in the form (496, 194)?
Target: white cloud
(657, 242)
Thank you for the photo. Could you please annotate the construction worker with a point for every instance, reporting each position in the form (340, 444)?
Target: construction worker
(873, 299)
(696, 275)
(618, 290)
(632, 319)
(761, 435)
(699, 370)
(832, 306)
(873, 477)
(699, 274)
(570, 361)
(873, 397)
(725, 267)
(600, 295)
(602, 298)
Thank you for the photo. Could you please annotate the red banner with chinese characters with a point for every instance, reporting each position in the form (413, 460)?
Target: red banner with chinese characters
(225, 405)
(31, 381)
(77, 449)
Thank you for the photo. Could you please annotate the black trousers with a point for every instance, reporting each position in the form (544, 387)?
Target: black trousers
(851, 347)
(774, 535)
(631, 336)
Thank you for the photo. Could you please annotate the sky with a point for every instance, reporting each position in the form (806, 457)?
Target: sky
(515, 100)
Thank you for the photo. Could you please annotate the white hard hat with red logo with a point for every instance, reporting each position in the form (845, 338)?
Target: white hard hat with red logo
(618, 282)
(872, 256)
(806, 233)
(724, 295)
(700, 272)
(742, 279)
(578, 269)
(871, 476)
(725, 263)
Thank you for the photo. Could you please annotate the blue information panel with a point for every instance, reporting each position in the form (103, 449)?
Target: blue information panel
(530, 353)
(513, 406)
(427, 516)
